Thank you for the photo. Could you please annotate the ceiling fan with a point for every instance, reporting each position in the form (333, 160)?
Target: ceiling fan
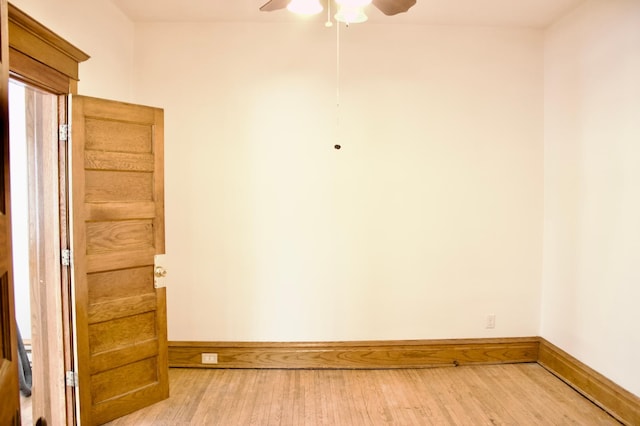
(349, 12)
(388, 7)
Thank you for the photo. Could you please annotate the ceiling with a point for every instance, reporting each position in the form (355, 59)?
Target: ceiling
(510, 13)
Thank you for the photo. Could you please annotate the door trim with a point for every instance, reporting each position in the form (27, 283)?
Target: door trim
(41, 58)
(9, 394)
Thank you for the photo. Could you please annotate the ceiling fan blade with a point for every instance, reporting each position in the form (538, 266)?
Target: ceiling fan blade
(274, 5)
(393, 7)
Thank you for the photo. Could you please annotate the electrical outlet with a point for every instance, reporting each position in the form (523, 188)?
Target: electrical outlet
(209, 358)
(491, 321)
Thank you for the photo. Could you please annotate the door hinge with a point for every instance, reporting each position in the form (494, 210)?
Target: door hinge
(63, 132)
(71, 378)
(65, 257)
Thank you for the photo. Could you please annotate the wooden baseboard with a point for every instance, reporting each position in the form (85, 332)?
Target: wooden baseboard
(356, 355)
(615, 400)
(618, 402)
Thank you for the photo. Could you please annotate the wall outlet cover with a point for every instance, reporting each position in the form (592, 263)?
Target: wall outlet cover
(209, 358)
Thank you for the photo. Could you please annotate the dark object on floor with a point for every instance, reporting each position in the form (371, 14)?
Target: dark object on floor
(24, 368)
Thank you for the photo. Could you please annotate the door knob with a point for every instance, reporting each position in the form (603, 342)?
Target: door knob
(160, 272)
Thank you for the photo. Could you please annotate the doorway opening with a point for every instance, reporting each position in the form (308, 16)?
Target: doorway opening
(38, 228)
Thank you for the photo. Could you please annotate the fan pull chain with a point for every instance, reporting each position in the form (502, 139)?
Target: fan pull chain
(337, 146)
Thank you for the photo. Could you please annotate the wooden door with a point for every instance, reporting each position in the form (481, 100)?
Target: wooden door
(9, 397)
(118, 227)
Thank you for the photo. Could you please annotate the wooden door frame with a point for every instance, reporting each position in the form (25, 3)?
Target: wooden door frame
(46, 297)
(9, 393)
(41, 58)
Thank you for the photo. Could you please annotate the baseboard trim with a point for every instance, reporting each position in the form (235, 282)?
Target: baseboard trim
(356, 355)
(618, 402)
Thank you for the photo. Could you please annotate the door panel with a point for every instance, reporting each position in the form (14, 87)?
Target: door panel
(9, 398)
(118, 227)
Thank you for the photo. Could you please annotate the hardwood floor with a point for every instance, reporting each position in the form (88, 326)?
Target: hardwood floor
(509, 394)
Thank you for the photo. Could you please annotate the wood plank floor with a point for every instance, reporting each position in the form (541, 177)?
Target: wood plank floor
(514, 394)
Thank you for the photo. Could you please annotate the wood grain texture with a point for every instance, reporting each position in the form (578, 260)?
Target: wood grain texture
(122, 332)
(129, 235)
(49, 394)
(112, 285)
(42, 59)
(124, 260)
(621, 404)
(68, 328)
(38, 73)
(122, 356)
(126, 113)
(124, 307)
(507, 394)
(120, 211)
(112, 186)
(130, 137)
(381, 354)
(9, 397)
(96, 160)
(121, 317)
(30, 38)
(123, 379)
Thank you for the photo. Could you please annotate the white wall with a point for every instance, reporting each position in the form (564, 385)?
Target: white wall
(427, 220)
(591, 279)
(99, 29)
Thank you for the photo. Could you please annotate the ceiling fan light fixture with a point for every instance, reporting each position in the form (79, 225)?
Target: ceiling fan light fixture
(353, 3)
(351, 15)
(305, 7)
